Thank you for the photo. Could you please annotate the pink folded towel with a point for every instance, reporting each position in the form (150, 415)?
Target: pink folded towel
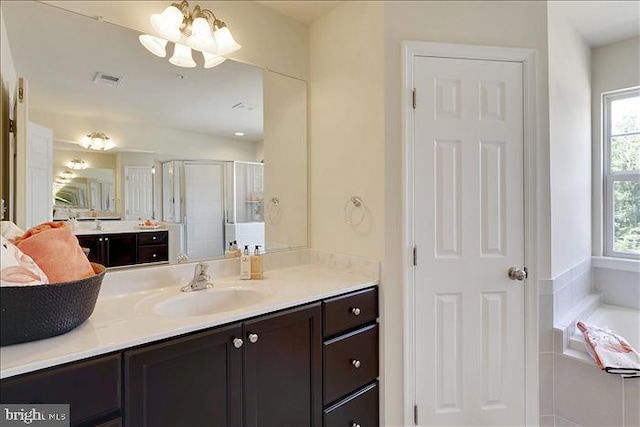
(55, 249)
(610, 351)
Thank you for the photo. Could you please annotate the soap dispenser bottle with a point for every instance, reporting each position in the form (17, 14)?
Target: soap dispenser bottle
(230, 252)
(245, 264)
(257, 272)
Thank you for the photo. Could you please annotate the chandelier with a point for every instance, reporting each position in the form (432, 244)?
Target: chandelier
(97, 141)
(189, 29)
(77, 164)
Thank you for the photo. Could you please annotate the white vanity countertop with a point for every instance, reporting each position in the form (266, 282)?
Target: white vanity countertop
(127, 320)
(86, 232)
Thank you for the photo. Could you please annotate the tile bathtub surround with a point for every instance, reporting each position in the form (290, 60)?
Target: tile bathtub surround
(569, 288)
(618, 287)
(585, 395)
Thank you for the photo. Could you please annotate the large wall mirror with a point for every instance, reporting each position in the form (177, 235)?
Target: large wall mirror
(234, 128)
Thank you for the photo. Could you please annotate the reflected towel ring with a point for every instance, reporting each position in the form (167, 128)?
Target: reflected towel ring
(358, 204)
(273, 210)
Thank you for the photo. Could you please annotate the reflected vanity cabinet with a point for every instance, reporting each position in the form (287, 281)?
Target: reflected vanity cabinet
(121, 249)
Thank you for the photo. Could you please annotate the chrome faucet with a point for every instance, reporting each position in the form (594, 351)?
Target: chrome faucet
(201, 279)
(97, 224)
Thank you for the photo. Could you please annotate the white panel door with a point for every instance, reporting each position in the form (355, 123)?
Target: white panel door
(39, 185)
(469, 230)
(138, 192)
(204, 211)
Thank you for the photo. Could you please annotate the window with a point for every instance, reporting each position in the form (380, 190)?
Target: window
(622, 173)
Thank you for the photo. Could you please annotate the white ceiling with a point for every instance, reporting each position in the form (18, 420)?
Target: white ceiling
(602, 22)
(59, 53)
(305, 11)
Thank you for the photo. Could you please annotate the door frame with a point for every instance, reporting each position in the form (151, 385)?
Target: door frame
(527, 57)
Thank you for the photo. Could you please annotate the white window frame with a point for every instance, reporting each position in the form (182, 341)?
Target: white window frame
(610, 177)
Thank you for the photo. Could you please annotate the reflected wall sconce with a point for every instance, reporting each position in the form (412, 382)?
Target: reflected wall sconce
(97, 141)
(198, 29)
(77, 164)
(67, 175)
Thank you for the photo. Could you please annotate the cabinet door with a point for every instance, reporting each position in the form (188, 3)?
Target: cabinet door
(95, 247)
(283, 369)
(90, 388)
(121, 249)
(192, 381)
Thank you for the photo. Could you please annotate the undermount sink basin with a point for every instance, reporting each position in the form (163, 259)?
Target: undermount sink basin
(210, 301)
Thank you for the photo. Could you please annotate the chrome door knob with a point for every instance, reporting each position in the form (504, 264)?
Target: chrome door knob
(237, 342)
(356, 363)
(356, 311)
(518, 273)
(253, 338)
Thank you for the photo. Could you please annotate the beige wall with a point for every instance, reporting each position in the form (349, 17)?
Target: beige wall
(347, 128)
(268, 39)
(570, 143)
(285, 161)
(493, 23)
(614, 66)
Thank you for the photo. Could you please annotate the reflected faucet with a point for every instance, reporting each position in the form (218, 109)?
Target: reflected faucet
(201, 279)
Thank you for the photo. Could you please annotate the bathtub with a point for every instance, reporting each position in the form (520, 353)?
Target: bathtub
(623, 321)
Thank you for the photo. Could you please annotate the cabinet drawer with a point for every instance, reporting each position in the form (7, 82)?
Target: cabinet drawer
(350, 362)
(91, 388)
(152, 238)
(152, 253)
(360, 408)
(349, 311)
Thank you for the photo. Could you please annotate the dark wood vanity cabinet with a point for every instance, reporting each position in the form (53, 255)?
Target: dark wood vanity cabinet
(283, 369)
(111, 250)
(191, 381)
(350, 359)
(295, 367)
(121, 249)
(263, 372)
(91, 388)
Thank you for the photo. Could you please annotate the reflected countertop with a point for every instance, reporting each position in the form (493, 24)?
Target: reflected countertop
(124, 320)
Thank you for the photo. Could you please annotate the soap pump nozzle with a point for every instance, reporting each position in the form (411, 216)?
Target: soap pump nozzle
(257, 250)
(246, 250)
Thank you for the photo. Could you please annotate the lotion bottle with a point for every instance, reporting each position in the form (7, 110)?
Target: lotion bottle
(245, 264)
(230, 253)
(257, 272)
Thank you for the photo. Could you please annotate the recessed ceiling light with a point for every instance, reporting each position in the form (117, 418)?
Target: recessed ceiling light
(239, 133)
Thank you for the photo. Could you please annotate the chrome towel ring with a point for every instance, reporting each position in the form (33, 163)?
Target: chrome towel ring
(354, 207)
(273, 210)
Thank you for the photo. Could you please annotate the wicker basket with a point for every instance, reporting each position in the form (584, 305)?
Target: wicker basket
(30, 313)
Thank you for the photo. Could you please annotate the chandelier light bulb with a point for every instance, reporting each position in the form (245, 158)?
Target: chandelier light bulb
(225, 41)
(182, 57)
(155, 45)
(168, 23)
(211, 60)
(97, 141)
(201, 38)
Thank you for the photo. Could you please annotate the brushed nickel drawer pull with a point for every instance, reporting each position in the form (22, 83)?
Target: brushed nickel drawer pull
(356, 311)
(356, 363)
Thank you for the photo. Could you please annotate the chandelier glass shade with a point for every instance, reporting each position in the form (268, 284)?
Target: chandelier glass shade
(97, 141)
(77, 164)
(198, 29)
(67, 176)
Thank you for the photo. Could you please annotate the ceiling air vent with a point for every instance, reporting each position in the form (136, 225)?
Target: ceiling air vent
(106, 79)
(243, 106)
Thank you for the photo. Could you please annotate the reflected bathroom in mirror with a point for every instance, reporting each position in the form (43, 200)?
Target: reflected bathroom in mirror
(199, 150)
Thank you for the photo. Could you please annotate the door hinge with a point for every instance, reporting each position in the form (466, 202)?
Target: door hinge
(415, 414)
(414, 98)
(12, 126)
(20, 89)
(415, 255)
